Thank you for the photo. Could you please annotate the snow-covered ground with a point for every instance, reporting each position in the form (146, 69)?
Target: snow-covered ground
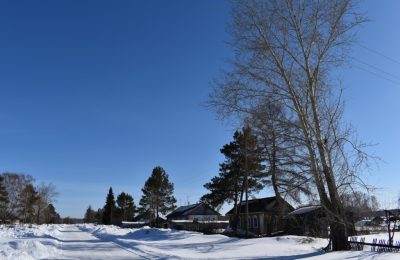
(109, 242)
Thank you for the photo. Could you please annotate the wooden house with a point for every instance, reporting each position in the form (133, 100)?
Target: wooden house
(197, 217)
(265, 216)
(308, 221)
(196, 212)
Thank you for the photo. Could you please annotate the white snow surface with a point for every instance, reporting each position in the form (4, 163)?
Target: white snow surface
(88, 241)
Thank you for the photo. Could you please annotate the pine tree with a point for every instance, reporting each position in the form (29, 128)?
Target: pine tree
(28, 198)
(3, 200)
(126, 205)
(241, 173)
(90, 215)
(51, 216)
(157, 194)
(109, 208)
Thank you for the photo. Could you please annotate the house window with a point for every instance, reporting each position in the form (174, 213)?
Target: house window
(255, 222)
(249, 222)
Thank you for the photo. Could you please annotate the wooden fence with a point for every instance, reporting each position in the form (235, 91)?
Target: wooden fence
(376, 246)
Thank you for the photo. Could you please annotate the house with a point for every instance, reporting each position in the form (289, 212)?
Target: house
(313, 221)
(194, 212)
(146, 219)
(308, 221)
(197, 217)
(265, 216)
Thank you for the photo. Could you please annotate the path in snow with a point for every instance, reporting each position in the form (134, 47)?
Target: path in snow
(78, 244)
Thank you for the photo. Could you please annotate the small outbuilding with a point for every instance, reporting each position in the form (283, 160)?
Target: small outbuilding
(308, 221)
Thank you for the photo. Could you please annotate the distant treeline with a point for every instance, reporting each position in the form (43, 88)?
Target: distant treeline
(21, 200)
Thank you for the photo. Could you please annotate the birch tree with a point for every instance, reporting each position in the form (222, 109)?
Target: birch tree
(285, 52)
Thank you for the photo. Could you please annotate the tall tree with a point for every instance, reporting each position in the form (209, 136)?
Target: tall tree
(157, 194)
(3, 200)
(46, 195)
(241, 171)
(285, 51)
(28, 199)
(90, 215)
(278, 135)
(109, 208)
(14, 184)
(50, 215)
(126, 205)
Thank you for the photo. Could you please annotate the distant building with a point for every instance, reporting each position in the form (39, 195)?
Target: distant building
(197, 217)
(265, 216)
(196, 212)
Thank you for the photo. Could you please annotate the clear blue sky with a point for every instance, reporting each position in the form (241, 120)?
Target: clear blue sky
(96, 93)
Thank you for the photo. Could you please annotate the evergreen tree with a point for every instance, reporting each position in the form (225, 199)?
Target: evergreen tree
(3, 200)
(99, 216)
(241, 173)
(90, 215)
(157, 194)
(28, 198)
(109, 208)
(51, 216)
(126, 205)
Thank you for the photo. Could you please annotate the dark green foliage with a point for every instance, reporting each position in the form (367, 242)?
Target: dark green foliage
(28, 198)
(90, 215)
(126, 206)
(51, 216)
(99, 216)
(157, 194)
(3, 200)
(242, 156)
(109, 208)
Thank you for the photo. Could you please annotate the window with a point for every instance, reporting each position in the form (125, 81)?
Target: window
(249, 222)
(255, 222)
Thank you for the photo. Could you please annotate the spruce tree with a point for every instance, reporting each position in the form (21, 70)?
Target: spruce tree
(241, 171)
(90, 215)
(28, 199)
(51, 216)
(3, 200)
(126, 205)
(109, 208)
(157, 194)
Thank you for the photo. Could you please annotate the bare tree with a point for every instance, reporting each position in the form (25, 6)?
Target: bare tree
(287, 166)
(285, 52)
(15, 184)
(47, 194)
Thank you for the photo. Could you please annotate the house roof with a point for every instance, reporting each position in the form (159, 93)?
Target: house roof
(192, 210)
(258, 205)
(304, 210)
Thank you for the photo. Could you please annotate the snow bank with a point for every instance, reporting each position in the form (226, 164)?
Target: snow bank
(26, 249)
(28, 241)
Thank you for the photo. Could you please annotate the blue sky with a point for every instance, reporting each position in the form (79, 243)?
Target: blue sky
(96, 93)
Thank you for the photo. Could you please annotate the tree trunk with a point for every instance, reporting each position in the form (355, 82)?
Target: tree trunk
(235, 211)
(339, 236)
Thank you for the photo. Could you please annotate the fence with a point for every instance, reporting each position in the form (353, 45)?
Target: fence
(376, 246)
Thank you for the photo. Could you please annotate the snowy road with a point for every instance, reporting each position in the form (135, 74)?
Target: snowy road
(88, 241)
(77, 244)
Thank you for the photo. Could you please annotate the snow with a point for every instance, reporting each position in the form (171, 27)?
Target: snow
(88, 241)
(304, 210)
